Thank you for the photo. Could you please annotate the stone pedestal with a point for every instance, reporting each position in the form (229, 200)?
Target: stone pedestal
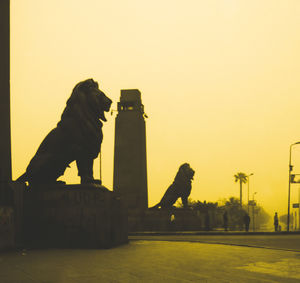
(70, 216)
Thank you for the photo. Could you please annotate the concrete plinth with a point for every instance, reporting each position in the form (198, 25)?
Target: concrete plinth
(71, 216)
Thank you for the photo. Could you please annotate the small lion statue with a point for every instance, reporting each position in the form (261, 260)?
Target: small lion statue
(180, 188)
(77, 137)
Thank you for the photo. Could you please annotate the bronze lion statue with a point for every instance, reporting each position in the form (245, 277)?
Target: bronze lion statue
(180, 188)
(77, 137)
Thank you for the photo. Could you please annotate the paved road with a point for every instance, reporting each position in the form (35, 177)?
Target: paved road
(152, 261)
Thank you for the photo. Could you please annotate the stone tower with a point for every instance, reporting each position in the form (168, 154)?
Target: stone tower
(130, 163)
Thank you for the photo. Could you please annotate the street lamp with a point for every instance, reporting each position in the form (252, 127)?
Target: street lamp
(253, 204)
(289, 192)
(248, 188)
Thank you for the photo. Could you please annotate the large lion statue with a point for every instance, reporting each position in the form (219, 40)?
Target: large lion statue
(77, 137)
(180, 188)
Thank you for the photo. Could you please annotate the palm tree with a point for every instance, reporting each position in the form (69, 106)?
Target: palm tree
(242, 178)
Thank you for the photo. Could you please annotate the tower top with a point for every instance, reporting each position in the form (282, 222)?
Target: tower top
(130, 100)
(130, 95)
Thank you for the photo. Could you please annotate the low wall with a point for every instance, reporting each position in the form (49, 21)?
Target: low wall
(173, 220)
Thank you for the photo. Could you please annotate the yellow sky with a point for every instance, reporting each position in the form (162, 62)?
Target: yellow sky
(219, 81)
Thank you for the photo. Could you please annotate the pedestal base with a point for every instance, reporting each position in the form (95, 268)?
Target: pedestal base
(6, 228)
(72, 216)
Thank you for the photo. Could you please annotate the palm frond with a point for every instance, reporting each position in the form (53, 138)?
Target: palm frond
(242, 177)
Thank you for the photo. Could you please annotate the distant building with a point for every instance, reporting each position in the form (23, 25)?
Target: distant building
(130, 163)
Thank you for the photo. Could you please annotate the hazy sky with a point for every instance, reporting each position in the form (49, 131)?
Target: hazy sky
(219, 81)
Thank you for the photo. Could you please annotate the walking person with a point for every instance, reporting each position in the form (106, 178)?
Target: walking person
(207, 221)
(247, 221)
(276, 222)
(225, 220)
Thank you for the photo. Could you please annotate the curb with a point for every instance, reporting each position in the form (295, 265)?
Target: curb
(211, 233)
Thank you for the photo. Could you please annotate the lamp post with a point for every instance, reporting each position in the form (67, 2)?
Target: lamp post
(100, 157)
(248, 189)
(289, 191)
(253, 204)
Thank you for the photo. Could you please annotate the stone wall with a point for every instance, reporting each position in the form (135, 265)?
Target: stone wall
(176, 219)
(173, 220)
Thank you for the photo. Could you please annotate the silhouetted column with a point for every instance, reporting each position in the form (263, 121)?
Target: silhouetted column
(130, 164)
(5, 144)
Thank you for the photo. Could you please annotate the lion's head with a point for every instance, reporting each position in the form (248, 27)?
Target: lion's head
(185, 172)
(90, 98)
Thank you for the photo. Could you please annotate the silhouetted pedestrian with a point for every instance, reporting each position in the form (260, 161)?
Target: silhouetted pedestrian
(225, 220)
(207, 221)
(276, 222)
(246, 221)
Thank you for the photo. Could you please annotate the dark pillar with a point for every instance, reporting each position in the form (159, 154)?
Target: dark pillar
(5, 145)
(130, 164)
